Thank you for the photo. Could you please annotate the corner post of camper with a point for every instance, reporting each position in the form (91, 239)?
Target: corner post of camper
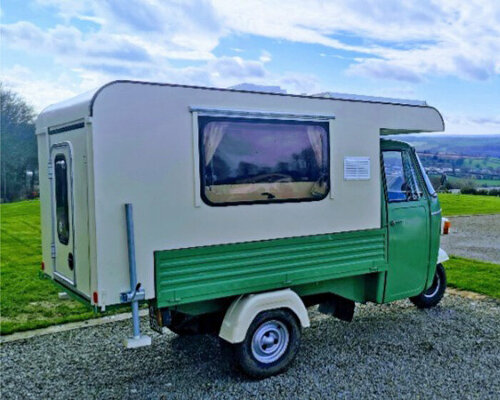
(136, 293)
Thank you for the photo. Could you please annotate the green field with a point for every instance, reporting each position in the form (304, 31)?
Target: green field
(460, 182)
(28, 302)
(473, 275)
(464, 204)
(488, 162)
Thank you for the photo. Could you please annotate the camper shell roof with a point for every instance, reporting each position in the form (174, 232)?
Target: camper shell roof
(82, 106)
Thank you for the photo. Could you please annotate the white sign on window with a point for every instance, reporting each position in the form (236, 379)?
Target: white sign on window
(356, 168)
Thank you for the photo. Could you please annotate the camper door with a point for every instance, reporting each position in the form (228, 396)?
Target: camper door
(63, 216)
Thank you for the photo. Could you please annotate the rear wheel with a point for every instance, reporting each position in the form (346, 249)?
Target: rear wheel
(270, 345)
(435, 293)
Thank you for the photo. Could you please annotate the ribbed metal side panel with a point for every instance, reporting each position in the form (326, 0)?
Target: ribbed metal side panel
(202, 273)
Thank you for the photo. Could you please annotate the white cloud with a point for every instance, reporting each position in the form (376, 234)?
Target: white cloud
(265, 56)
(220, 72)
(406, 42)
(377, 68)
(471, 125)
(186, 29)
(40, 92)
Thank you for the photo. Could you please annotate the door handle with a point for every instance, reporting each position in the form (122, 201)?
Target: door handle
(396, 222)
(71, 263)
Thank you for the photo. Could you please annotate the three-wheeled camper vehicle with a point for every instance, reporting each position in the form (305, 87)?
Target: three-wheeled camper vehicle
(248, 208)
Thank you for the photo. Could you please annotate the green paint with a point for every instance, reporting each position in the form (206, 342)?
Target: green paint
(204, 273)
(408, 249)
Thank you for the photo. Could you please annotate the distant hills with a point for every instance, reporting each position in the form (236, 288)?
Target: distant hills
(465, 145)
(466, 160)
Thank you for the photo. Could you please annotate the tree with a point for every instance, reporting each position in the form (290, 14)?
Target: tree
(18, 144)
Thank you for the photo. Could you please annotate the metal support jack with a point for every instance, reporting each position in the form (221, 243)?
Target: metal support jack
(136, 293)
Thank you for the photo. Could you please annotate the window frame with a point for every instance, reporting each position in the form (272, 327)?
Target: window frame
(404, 153)
(424, 177)
(65, 196)
(203, 119)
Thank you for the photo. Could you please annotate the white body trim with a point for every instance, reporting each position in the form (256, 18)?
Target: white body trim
(244, 309)
(442, 256)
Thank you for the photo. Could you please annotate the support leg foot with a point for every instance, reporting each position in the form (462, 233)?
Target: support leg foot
(135, 342)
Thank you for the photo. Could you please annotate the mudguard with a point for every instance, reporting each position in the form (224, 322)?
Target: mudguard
(244, 309)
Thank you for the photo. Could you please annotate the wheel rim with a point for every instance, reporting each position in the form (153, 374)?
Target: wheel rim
(432, 291)
(270, 341)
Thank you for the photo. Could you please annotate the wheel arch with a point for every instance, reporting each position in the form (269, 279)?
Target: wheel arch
(244, 309)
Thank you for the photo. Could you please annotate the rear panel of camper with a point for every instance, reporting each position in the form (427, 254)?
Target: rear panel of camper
(64, 191)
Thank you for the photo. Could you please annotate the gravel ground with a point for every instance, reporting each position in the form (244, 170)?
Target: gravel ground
(474, 237)
(388, 351)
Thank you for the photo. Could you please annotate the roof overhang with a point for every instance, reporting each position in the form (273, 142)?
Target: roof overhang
(404, 116)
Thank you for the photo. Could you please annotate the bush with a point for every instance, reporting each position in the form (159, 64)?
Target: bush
(480, 192)
(468, 190)
(468, 184)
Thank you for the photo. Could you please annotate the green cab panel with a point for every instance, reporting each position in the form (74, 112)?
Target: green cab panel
(408, 249)
(308, 263)
(413, 221)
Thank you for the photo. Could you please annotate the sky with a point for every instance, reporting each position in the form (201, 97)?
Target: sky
(446, 52)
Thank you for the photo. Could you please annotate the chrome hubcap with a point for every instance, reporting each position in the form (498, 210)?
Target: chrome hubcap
(432, 291)
(270, 341)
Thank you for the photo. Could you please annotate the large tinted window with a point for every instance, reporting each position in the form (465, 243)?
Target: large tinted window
(62, 206)
(255, 161)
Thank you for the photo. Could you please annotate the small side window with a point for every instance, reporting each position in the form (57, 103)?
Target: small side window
(427, 181)
(62, 206)
(401, 179)
(246, 161)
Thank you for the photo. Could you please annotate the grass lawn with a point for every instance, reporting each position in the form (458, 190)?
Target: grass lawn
(466, 204)
(28, 302)
(476, 276)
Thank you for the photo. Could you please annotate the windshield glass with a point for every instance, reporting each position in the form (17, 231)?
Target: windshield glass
(428, 182)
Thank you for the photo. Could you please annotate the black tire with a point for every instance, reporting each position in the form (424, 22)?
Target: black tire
(432, 296)
(278, 329)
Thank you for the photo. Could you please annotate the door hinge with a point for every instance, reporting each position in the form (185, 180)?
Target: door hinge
(53, 250)
(50, 171)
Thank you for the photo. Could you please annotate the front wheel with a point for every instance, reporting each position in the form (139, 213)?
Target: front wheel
(270, 345)
(435, 293)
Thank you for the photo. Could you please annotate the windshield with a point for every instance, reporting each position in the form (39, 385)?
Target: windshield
(428, 182)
